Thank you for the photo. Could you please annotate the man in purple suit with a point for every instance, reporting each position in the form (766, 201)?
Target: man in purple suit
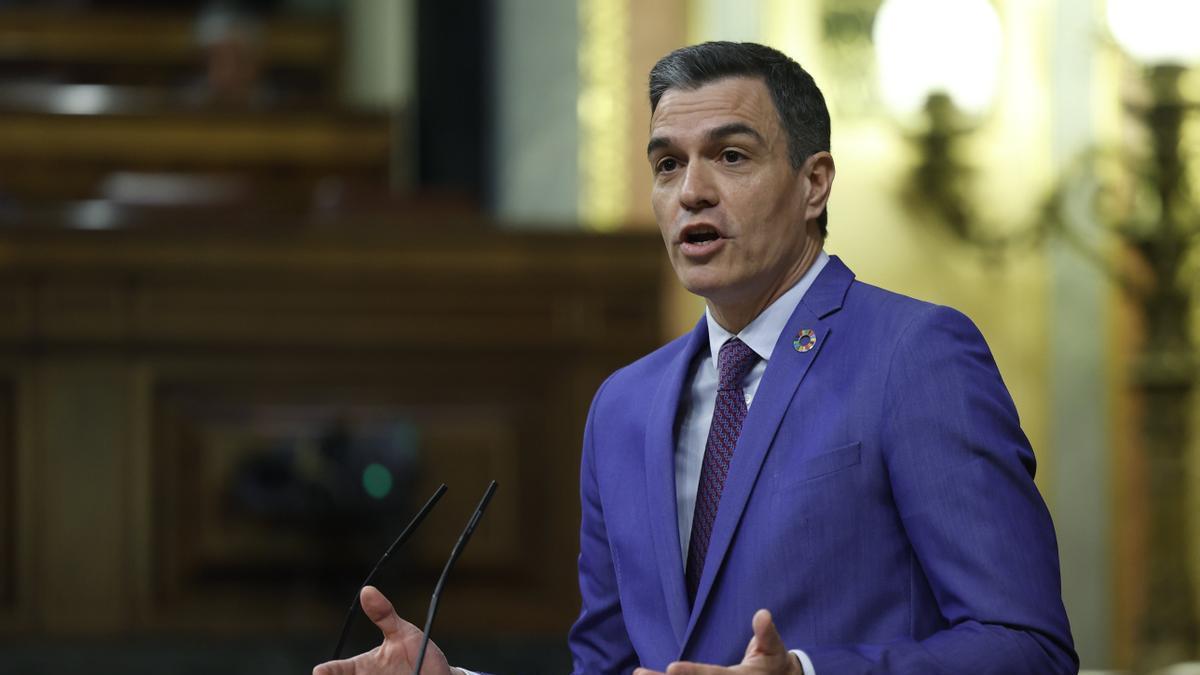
(822, 476)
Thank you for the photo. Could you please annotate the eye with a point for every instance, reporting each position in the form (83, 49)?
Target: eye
(732, 156)
(666, 164)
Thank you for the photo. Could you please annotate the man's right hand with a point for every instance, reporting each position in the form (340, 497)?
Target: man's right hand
(398, 653)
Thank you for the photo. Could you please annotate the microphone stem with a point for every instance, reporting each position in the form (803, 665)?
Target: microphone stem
(454, 554)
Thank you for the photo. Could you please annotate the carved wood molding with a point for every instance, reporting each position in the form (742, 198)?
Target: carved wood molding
(463, 290)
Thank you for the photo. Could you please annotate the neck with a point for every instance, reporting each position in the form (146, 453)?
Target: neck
(735, 314)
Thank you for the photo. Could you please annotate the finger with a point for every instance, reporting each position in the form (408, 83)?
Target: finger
(645, 671)
(380, 611)
(343, 667)
(766, 636)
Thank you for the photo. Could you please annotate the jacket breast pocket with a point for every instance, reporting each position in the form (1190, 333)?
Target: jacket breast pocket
(824, 464)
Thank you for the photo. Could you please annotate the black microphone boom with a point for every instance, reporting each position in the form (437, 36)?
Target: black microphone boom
(454, 554)
(404, 535)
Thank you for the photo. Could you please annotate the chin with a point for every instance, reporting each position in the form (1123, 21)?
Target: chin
(706, 280)
(703, 286)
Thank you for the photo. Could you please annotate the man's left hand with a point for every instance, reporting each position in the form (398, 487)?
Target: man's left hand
(765, 655)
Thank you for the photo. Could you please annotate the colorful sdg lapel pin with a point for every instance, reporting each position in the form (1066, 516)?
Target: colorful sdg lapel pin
(805, 340)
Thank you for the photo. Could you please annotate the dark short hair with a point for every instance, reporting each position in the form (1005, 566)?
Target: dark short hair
(801, 107)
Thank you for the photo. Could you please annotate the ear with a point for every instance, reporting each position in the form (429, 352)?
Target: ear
(819, 171)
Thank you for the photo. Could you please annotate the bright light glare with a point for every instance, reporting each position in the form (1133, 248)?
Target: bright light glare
(95, 214)
(948, 46)
(1157, 31)
(82, 99)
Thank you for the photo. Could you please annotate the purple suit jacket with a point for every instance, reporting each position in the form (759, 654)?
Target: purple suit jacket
(880, 503)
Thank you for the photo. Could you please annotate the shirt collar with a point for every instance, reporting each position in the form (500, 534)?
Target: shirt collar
(762, 333)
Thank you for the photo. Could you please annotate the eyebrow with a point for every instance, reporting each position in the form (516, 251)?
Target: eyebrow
(656, 143)
(723, 131)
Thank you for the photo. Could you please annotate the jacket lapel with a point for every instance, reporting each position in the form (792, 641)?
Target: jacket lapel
(660, 478)
(783, 376)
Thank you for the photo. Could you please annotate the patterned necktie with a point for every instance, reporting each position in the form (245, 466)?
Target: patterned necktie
(734, 361)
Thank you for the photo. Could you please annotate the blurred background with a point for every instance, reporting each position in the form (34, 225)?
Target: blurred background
(272, 271)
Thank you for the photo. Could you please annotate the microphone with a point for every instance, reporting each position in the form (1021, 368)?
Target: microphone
(454, 554)
(404, 535)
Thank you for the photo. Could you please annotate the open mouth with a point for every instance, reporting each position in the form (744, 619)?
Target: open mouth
(701, 235)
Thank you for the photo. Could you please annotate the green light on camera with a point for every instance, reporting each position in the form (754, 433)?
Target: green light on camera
(377, 480)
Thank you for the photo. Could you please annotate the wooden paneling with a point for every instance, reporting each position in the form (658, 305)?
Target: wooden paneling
(153, 39)
(195, 142)
(167, 362)
(248, 159)
(8, 496)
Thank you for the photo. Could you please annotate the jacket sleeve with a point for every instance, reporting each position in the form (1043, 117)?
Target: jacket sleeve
(598, 640)
(961, 472)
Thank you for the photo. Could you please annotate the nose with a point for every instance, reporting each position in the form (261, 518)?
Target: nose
(698, 191)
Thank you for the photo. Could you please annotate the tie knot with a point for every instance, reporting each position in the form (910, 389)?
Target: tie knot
(734, 361)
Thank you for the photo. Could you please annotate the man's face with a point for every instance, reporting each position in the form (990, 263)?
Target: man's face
(731, 208)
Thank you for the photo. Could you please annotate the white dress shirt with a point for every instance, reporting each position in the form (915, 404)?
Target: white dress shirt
(700, 399)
